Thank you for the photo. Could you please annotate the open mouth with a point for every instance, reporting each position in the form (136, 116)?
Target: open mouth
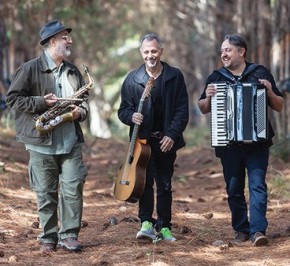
(226, 59)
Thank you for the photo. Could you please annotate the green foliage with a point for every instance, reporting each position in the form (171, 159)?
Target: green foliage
(118, 129)
(100, 29)
(281, 150)
(106, 35)
(279, 187)
(197, 136)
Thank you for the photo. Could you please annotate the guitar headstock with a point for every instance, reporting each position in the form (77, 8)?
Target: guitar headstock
(148, 88)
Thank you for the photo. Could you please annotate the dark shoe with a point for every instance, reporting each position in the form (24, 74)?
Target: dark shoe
(259, 239)
(47, 248)
(71, 244)
(240, 237)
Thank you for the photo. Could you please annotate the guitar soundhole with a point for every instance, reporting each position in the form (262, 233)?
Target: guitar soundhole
(124, 182)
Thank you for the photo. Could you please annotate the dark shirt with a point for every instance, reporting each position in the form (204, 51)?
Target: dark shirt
(173, 97)
(259, 73)
(157, 104)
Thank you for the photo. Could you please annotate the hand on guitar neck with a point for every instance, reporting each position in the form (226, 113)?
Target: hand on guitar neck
(137, 118)
(130, 182)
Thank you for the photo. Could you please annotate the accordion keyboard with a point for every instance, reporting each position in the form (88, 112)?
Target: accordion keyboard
(219, 116)
(238, 114)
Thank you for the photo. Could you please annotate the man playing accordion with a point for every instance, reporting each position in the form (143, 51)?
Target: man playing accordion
(237, 158)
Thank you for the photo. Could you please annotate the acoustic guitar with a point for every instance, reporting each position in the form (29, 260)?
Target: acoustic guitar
(130, 182)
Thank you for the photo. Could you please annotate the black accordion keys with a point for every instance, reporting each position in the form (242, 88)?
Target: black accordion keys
(238, 114)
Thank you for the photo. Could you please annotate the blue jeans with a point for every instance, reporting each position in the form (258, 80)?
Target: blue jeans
(236, 160)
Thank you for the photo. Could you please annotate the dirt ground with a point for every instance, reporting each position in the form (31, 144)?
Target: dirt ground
(201, 218)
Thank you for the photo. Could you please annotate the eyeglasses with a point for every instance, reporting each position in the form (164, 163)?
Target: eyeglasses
(68, 38)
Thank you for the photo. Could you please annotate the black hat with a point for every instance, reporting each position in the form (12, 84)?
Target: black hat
(50, 29)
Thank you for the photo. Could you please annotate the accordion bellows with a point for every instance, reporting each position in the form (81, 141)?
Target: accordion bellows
(239, 114)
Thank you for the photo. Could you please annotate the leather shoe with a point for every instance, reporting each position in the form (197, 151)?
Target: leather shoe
(240, 237)
(70, 244)
(47, 248)
(259, 239)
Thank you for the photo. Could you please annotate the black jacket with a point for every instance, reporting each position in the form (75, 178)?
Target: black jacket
(174, 103)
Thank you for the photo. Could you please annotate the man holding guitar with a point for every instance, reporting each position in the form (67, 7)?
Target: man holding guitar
(161, 122)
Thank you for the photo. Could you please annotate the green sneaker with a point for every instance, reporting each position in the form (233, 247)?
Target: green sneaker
(166, 234)
(147, 231)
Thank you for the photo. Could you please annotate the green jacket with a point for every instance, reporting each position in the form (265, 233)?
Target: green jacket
(25, 96)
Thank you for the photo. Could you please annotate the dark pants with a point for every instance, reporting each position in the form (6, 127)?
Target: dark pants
(160, 168)
(236, 160)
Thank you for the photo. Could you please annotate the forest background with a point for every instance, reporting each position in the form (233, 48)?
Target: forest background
(106, 38)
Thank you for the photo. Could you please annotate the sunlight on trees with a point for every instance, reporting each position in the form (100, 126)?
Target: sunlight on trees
(106, 37)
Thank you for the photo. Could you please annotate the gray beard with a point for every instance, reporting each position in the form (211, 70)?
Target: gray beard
(63, 52)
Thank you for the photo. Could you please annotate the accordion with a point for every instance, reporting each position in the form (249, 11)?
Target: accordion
(238, 114)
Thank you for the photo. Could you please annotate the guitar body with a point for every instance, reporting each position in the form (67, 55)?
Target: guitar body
(131, 179)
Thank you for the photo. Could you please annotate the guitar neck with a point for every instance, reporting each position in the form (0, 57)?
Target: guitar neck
(146, 92)
(135, 133)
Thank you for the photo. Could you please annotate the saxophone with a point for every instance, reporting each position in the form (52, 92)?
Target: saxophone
(59, 113)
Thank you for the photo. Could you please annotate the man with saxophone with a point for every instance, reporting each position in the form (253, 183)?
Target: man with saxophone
(56, 162)
(162, 122)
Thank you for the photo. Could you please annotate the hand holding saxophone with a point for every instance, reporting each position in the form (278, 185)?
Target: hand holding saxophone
(75, 110)
(62, 109)
(50, 99)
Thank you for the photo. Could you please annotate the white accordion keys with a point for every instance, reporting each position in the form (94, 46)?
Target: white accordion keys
(219, 116)
(238, 114)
